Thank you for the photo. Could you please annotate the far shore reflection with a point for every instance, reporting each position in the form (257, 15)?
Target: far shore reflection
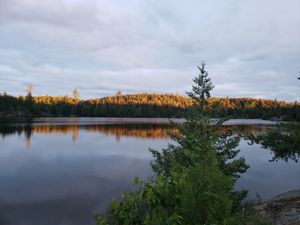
(142, 131)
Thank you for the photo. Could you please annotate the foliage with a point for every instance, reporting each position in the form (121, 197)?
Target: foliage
(193, 181)
(226, 151)
(247, 215)
(203, 85)
(145, 105)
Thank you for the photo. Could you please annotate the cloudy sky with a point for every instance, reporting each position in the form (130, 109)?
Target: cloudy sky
(251, 48)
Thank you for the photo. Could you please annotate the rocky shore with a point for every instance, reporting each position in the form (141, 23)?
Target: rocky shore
(283, 209)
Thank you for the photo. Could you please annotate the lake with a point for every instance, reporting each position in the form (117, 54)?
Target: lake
(61, 171)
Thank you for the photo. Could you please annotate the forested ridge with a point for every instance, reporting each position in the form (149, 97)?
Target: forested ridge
(143, 105)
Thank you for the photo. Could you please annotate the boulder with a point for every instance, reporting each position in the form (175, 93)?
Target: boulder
(284, 209)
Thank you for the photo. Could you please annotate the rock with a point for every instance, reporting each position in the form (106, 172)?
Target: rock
(283, 209)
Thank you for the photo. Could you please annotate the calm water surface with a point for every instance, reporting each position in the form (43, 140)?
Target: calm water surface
(61, 172)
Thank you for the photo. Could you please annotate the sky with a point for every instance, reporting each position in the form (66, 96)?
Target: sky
(251, 48)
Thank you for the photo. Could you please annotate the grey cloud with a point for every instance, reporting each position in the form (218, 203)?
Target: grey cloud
(54, 13)
(252, 48)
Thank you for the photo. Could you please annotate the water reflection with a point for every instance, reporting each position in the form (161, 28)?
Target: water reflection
(65, 181)
(74, 170)
(143, 131)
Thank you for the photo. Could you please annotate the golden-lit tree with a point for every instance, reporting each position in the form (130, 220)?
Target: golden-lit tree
(119, 93)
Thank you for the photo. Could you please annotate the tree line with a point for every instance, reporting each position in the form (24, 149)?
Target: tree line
(142, 105)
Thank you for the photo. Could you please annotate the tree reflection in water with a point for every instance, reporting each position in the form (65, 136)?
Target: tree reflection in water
(282, 141)
(144, 131)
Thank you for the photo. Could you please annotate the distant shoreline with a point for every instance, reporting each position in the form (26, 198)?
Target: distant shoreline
(126, 120)
(141, 106)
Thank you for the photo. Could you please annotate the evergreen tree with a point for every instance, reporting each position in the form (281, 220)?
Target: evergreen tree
(202, 87)
(29, 100)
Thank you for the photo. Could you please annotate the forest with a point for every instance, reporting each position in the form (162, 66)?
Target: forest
(142, 105)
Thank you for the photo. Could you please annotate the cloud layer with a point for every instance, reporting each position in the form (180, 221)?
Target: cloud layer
(252, 48)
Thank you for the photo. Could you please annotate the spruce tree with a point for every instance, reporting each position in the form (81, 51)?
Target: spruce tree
(202, 87)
